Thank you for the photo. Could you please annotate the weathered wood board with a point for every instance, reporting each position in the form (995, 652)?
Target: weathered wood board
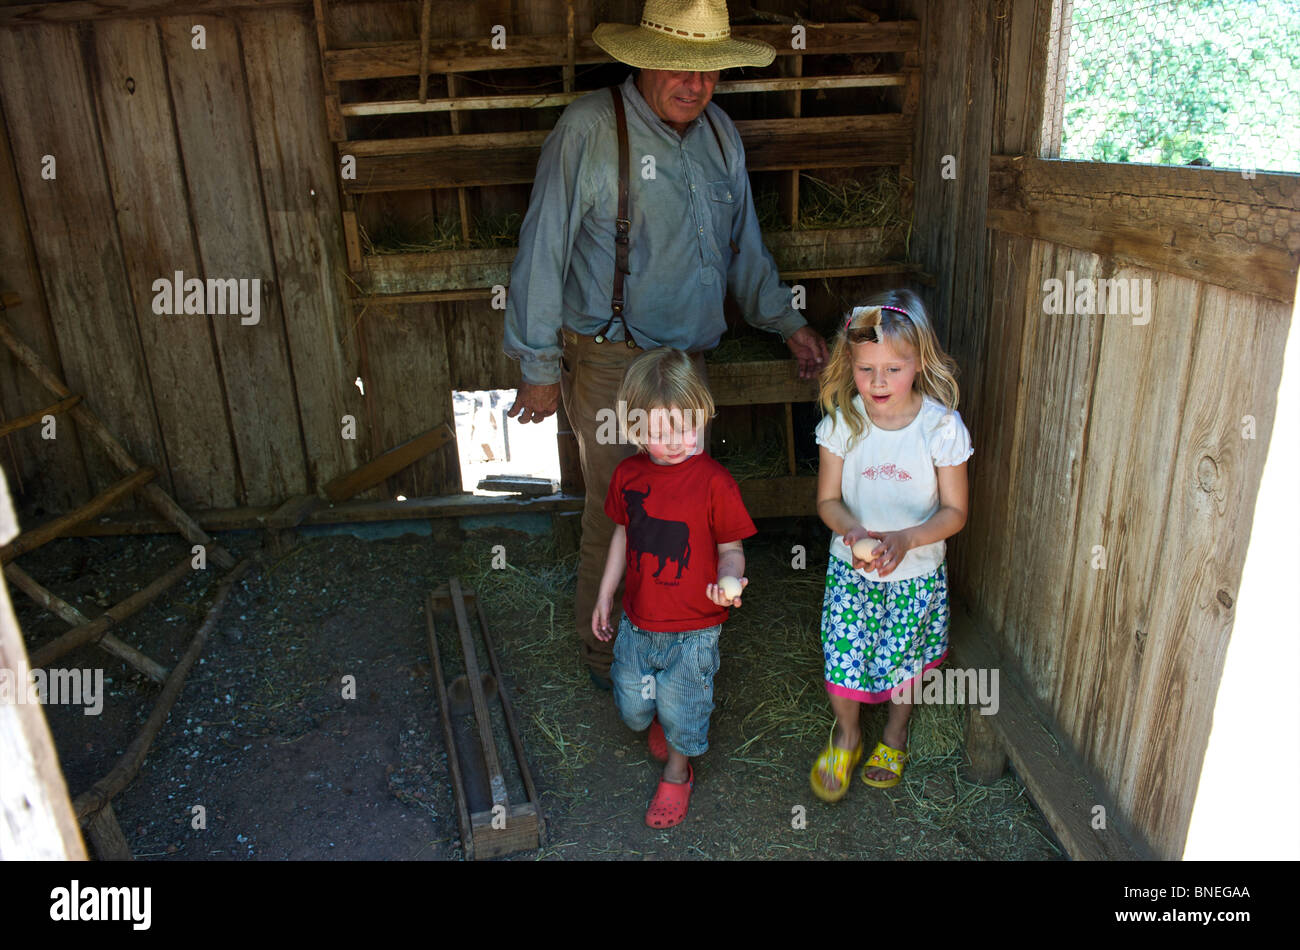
(230, 224)
(143, 162)
(50, 112)
(293, 152)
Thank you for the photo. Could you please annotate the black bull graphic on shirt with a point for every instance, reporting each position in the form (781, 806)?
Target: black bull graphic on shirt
(665, 540)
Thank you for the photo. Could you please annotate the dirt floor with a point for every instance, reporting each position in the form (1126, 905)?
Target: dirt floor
(285, 767)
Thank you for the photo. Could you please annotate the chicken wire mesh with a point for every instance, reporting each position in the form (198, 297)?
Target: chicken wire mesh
(1184, 82)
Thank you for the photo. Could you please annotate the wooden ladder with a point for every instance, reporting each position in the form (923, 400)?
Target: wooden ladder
(137, 479)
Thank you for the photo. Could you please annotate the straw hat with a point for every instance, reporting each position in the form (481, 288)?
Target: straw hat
(681, 34)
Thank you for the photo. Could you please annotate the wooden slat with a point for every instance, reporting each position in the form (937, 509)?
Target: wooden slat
(91, 631)
(444, 274)
(163, 503)
(230, 220)
(787, 496)
(448, 734)
(22, 422)
(373, 61)
(36, 819)
(130, 83)
(389, 463)
(551, 100)
(98, 796)
(1058, 362)
(992, 469)
(1056, 780)
(782, 144)
(57, 527)
(744, 384)
(491, 760)
(284, 86)
(359, 512)
(70, 614)
(49, 110)
(1201, 223)
(106, 837)
(68, 11)
(1124, 486)
(22, 300)
(1203, 542)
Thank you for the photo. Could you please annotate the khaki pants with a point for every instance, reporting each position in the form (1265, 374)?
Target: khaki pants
(590, 376)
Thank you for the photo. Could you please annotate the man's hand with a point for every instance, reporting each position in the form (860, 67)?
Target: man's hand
(809, 349)
(534, 403)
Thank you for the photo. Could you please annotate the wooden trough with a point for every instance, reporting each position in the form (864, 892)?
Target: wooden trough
(490, 824)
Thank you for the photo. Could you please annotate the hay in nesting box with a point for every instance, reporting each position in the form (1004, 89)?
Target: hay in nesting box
(743, 347)
(443, 233)
(763, 457)
(871, 200)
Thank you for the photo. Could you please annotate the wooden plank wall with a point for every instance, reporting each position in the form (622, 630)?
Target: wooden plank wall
(1095, 434)
(214, 162)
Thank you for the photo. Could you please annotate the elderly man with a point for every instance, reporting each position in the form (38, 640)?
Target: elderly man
(587, 296)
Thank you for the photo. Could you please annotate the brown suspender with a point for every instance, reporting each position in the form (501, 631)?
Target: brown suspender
(623, 223)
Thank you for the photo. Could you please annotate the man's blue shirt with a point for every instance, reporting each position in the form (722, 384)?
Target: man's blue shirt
(687, 206)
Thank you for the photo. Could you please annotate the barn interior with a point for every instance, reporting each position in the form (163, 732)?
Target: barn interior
(320, 587)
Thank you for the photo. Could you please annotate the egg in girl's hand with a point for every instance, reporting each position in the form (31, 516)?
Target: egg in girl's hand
(730, 587)
(862, 548)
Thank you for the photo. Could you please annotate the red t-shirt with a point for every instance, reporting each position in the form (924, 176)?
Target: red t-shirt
(676, 516)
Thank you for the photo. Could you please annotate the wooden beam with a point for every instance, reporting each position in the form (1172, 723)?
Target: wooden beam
(70, 614)
(90, 632)
(106, 838)
(1053, 776)
(163, 503)
(57, 527)
(425, 10)
(389, 463)
(387, 60)
(75, 10)
(36, 820)
(101, 793)
(22, 422)
(761, 381)
(550, 100)
(1206, 224)
(464, 505)
(770, 145)
(781, 497)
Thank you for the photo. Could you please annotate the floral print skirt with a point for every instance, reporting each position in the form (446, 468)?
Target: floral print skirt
(878, 635)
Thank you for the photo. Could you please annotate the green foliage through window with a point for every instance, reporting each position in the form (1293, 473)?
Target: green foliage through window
(1177, 82)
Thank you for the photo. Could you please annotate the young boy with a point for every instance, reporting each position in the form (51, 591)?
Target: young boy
(680, 521)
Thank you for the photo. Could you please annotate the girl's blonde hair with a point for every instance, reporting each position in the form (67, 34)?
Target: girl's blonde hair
(663, 379)
(899, 317)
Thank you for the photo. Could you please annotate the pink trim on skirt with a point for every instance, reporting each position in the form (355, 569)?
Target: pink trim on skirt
(862, 696)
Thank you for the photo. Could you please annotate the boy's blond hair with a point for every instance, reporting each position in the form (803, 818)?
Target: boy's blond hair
(879, 318)
(663, 379)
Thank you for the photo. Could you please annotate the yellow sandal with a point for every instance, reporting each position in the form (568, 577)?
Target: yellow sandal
(887, 758)
(837, 762)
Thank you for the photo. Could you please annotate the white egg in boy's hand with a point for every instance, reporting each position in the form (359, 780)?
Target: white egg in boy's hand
(730, 587)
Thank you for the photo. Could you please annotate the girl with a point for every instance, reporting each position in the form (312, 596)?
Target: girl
(891, 485)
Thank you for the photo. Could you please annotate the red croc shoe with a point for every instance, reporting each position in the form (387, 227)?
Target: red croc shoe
(671, 800)
(658, 741)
